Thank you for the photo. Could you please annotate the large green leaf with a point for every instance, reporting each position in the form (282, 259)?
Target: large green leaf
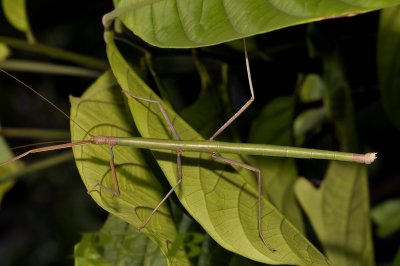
(223, 200)
(117, 243)
(182, 23)
(101, 112)
(389, 62)
(339, 214)
(274, 126)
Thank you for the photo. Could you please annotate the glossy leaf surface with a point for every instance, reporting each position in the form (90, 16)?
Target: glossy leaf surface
(182, 23)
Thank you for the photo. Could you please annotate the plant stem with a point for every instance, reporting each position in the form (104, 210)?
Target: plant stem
(46, 68)
(43, 164)
(56, 53)
(34, 133)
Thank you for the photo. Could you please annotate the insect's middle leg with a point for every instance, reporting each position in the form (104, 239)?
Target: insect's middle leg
(116, 190)
(178, 153)
(259, 196)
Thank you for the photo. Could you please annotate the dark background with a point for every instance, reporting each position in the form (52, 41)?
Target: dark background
(46, 212)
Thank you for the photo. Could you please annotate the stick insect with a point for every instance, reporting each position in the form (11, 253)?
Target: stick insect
(210, 146)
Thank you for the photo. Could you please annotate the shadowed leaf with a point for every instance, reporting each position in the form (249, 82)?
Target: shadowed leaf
(339, 213)
(339, 209)
(117, 244)
(388, 55)
(387, 216)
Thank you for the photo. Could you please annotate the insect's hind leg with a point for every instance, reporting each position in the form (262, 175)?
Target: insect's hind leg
(246, 105)
(179, 165)
(240, 164)
(259, 196)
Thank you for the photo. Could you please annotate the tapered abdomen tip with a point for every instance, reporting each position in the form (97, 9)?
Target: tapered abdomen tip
(367, 158)
(370, 157)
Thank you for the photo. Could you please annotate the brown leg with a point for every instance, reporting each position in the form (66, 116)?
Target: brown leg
(259, 183)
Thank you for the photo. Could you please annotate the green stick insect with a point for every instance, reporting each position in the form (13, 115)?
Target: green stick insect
(211, 146)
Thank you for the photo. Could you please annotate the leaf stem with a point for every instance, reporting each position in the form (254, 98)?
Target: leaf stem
(110, 16)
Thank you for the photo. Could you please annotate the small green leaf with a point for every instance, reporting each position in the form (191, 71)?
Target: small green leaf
(339, 213)
(15, 12)
(101, 111)
(117, 244)
(6, 154)
(387, 216)
(307, 121)
(388, 54)
(222, 199)
(312, 88)
(182, 23)
(4, 52)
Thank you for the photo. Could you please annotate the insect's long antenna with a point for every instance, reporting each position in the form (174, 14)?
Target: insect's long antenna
(37, 144)
(48, 148)
(44, 98)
